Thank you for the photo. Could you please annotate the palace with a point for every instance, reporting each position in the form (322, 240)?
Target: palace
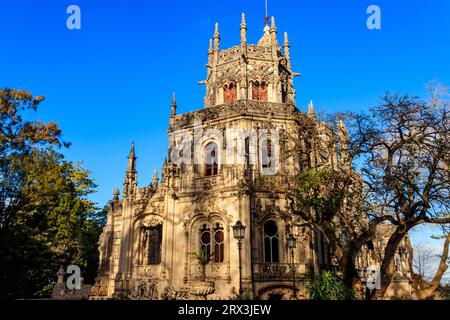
(151, 245)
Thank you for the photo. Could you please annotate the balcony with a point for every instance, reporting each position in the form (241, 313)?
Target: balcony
(277, 271)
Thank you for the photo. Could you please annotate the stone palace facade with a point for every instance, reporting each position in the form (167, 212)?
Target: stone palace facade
(149, 247)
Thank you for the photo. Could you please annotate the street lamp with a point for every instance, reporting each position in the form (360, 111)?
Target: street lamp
(239, 234)
(292, 244)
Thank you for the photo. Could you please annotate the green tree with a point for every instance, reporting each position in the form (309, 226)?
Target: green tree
(327, 286)
(46, 220)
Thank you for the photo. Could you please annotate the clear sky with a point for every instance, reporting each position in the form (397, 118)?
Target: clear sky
(112, 81)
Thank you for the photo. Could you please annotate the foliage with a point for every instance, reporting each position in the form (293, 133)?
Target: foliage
(395, 159)
(203, 259)
(245, 296)
(327, 286)
(46, 220)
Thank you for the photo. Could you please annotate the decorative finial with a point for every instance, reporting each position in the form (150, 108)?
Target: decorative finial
(216, 38)
(272, 24)
(216, 30)
(132, 153)
(311, 112)
(243, 30)
(286, 39)
(211, 49)
(155, 178)
(173, 109)
(116, 193)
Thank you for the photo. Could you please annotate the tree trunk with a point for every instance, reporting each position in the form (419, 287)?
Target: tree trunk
(387, 267)
(435, 283)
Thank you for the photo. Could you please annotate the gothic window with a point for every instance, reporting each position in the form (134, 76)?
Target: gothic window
(271, 242)
(259, 91)
(152, 243)
(211, 157)
(229, 93)
(213, 240)
(205, 240)
(219, 246)
(266, 154)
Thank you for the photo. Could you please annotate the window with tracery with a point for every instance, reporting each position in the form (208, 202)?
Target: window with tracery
(152, 242)
(230, 93)
(271, 242)
(259, 91)
(266, 154)
(212, 242)
(211, 159)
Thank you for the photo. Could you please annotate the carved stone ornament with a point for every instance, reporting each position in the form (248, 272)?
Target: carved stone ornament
(151, 222)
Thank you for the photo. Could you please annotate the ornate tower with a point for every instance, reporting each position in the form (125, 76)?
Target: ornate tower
(248, 71)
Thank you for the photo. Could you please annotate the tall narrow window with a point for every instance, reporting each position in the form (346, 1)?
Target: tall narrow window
(266, 154)
(153, 241)
(229, 93)
(211, 157)
(205, 240)
(271, 242)
(259, 91)
(218, 244)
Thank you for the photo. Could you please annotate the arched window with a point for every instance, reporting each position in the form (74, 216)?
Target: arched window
(229, 93)
(259, 91)
(152, 244)
(205, 240)
(219, 246)
(266, 157)
(211, 157)
(214, 239)
(271, 242)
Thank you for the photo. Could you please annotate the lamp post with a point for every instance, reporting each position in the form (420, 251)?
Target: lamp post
(239, 234)
(292, 244)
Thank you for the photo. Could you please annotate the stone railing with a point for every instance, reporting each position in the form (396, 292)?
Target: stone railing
(277, 271)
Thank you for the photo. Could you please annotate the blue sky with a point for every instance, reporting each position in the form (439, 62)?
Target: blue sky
(112, 81)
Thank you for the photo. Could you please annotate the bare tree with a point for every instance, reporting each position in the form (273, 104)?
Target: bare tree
(422, 260)
(393, 167)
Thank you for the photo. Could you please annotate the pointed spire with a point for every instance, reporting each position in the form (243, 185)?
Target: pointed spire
(311, 112)
(155, 178)
(272, 24)
(286, 40)
(211, 49)
(132, 159)
(165, 159)
(342, 128)
(216, 30)
(132, 152)
(216, 38)
(173, 109)
(243, 30)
